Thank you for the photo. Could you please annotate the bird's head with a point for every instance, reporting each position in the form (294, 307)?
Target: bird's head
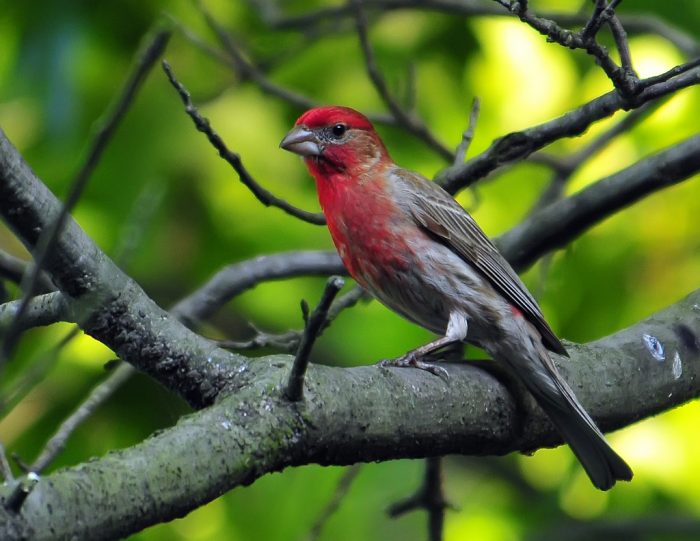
(335, 139)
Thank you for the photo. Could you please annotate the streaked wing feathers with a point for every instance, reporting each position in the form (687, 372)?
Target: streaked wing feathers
(441, 215)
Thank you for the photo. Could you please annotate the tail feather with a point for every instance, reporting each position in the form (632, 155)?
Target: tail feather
(531, 362)
(602, 464)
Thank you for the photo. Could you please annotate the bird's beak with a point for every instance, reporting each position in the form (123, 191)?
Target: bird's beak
(301, 141)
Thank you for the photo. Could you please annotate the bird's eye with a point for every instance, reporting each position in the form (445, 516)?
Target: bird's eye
(339, 130)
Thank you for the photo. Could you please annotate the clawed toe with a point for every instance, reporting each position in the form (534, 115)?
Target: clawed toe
(410, 361)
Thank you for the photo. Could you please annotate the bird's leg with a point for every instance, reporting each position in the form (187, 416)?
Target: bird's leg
(456, 332)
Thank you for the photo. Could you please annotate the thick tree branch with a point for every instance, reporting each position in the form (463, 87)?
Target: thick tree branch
(559, 223)
(107, 303)
(106, 128)
(254, 430)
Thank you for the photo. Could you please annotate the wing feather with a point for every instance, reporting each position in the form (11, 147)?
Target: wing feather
(436, 211)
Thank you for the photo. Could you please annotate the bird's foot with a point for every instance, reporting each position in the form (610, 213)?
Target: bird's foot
(411, 360)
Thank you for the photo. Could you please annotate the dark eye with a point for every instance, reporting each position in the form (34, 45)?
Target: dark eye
(339, 130)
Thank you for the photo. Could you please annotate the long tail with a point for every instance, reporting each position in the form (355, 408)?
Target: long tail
(539, 374)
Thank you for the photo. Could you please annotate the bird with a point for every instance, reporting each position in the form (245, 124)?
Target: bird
(409, 243)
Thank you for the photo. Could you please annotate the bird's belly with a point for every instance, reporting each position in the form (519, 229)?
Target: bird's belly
(425, 281)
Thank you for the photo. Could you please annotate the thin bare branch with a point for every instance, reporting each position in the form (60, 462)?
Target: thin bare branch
(94, 400)
(518, 145)
(468, 134)
(234, 279)
(564, 168)
(288, 341)
(5, 469)
(332, 506)
(314, 323)
(623, 48)
(266, 197)
(14, 269)
(404, 119)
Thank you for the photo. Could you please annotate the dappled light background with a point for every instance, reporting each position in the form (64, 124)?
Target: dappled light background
(165, 206)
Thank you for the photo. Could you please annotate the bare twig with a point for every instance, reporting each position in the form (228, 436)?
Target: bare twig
(348, 300)
(518, 145)
(409, 122)
(315, 322)
(146, 58)
(670, 74)
(94, 400)
(22, 489)
(332, 506)
(468, 134)
(234, 160)
(13, 268)
(288, 341)
(5, 469)
(429, 497)
(625, 82)
(623, 48)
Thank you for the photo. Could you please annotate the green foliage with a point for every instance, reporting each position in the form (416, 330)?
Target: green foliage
(62, 65)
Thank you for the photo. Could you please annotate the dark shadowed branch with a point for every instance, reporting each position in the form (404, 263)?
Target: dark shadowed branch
(333, 504)
(314, 324)
(565, 167)
(14, 269)
(429, 497)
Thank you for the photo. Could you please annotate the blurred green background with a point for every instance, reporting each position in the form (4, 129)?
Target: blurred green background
(173, 213)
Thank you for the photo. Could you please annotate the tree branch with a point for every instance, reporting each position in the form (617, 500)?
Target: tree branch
(404, 119)
(146, 58)
(559, 223)
(254, 430)
(40, 311)
(108, 304)
(235, 279)
(266, 197)
(518, 145)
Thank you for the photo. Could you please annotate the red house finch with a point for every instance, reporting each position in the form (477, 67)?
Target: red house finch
(411, 245)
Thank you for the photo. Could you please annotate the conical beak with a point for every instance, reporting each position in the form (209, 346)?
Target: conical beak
(301, 141)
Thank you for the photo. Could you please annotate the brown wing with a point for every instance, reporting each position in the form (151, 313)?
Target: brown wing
(435, 210)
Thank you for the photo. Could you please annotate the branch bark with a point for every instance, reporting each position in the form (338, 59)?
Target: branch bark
(108, 304)
(351, 415)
